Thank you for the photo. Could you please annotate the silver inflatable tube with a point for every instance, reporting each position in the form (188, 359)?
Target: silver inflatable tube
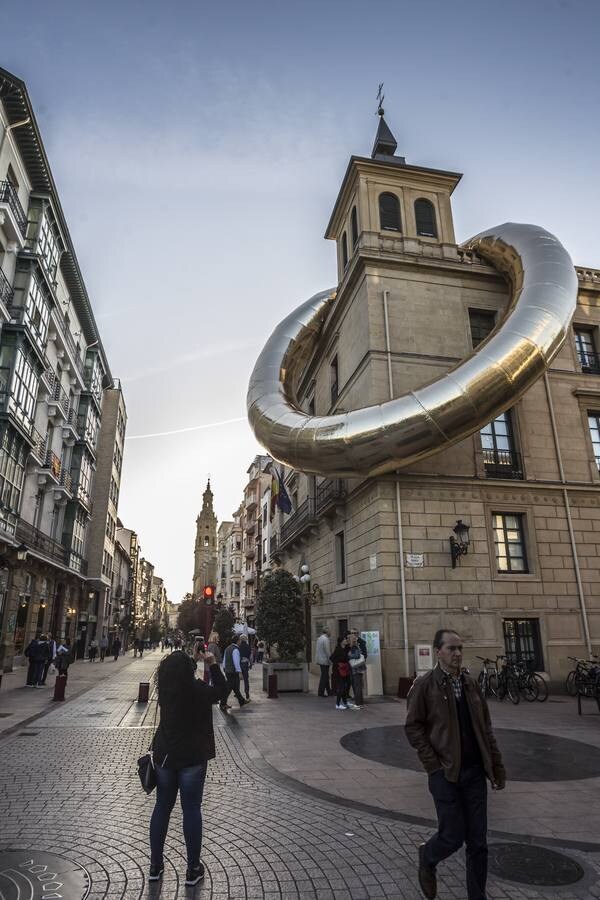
(385, 437)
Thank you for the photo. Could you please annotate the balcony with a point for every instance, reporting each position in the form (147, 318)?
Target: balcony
(331, 493)
(274, 546)
(249, 577)
(64, 489)
(58, 401)
(6, 291)
(502, 464)
(12, 215)
(51, 466)
(589, 362)
(37, 540)
(67, 339)
(250, 552)
(298, 523)
(251, 501)
(38, 451)
(82, 495)
(70, 433)
(250, 525)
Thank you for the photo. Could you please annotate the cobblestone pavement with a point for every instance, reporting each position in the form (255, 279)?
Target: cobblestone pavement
(68, 786)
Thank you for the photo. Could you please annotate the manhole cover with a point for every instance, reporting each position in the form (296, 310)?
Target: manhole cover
(38, 875)
(528, 864)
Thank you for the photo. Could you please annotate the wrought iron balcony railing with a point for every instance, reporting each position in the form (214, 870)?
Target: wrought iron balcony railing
(53, 463)
(8, 195)
(37, 540)
(39, 445)
(330, 492)
(6, 291)
(60, 397)
(68, 338)
(589, 362)
(502, 464)
(66, 481)
(300, 521)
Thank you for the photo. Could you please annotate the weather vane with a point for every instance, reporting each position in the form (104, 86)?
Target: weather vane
(380, 99)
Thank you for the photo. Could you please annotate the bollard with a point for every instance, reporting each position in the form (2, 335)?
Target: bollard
(272, 688)
(59, 687)
(144, 692)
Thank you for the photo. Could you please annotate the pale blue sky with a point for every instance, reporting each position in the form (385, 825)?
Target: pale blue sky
(198, 152)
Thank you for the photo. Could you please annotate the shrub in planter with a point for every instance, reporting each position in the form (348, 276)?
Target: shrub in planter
(280, 615)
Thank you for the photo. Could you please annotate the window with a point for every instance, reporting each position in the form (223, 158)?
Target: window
(340, 558)
(425, 218)
(522, 642)
(334, 378)
(499, 455)
(237, 589)
(13, 454)
(24, 388)
(586, 350)
(389, 212)
(37, 313)
(48, 246)
(344, 251)
(264, 553)
(354, 227)
(482, 322)
(594, 422)
(509, 542)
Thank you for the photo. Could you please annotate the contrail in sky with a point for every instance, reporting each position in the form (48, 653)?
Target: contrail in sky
(139, 437)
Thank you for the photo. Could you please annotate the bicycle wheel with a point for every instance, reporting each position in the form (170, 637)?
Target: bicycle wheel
(541, 685)
(493, 684)
(570, 683)
(529, 688)
(512, 689)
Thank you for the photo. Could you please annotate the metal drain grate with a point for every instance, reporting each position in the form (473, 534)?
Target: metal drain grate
(529, 864)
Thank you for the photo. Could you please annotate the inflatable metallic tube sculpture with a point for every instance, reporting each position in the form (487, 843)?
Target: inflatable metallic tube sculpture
(388, 436)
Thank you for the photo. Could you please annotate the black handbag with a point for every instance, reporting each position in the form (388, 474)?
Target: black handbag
(146, 767)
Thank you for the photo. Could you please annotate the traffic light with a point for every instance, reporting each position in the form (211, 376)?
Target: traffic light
(208, 594)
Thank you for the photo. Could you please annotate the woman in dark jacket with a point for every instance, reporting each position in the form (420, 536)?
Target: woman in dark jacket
(182, 746)
(341, 666)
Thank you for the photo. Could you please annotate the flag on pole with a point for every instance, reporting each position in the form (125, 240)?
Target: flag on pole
(283, 498)
(274, 493)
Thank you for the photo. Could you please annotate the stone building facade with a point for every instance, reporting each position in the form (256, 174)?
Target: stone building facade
(53, 374)
(259, 479)
(410, 305)
(229, 582)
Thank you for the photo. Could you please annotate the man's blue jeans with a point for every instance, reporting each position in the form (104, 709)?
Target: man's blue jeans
(190, 784)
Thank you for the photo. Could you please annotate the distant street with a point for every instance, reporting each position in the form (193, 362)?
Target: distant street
(289, 812)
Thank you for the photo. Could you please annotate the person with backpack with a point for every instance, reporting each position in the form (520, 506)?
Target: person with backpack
(341, 666)
(182, 747)
(358, 667)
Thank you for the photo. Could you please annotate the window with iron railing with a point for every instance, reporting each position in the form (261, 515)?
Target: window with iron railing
(500, 457)
(586, 351)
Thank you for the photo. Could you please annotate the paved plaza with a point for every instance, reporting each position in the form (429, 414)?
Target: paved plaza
(290, 811)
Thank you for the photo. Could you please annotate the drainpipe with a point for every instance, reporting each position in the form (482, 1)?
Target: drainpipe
(584, 617)
(388, 350)
(12, 128)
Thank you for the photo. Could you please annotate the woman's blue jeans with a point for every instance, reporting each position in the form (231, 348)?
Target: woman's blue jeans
(190, 784)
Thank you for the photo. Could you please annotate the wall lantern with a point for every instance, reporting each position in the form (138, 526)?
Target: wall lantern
(22, 552)
(459, 541)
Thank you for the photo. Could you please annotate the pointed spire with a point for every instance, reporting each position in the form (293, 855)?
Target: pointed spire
(385, 142)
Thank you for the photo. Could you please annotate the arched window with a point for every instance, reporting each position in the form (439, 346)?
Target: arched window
(389, 212)
(425, 218)
(344, 251)
(354, 227)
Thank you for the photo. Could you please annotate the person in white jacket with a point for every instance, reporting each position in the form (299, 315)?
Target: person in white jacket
(322, 659)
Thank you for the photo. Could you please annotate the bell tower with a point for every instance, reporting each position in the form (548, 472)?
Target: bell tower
(205, 549)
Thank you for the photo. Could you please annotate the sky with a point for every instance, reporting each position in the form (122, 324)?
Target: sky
(198, 151)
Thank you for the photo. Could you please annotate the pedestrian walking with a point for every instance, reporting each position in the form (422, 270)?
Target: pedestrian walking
(233, 670)
(260, 651)
(116, 648)
(358, 667)
(214, 648)
(182, 746)
(63, 657)
(51, 657)
(339, 659)
(246, 663)
(448, 723)
(93, 650)
(103, 647)
(322, 654)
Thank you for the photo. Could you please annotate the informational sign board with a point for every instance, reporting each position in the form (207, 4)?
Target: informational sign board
(415, 560)
(423, 658)
(374, 680)
(373, 561)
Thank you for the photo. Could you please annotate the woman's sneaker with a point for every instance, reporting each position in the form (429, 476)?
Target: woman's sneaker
(194, 875)
(340, 706)
(155, 872)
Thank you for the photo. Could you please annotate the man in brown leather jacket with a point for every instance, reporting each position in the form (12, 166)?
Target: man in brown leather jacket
(448, 723)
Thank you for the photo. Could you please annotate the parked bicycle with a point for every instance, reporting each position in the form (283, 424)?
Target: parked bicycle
(577, 681)
(531, 685)
(484, 679)
(503, 682)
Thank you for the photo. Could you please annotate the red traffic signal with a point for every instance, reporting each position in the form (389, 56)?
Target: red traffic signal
(208, 594)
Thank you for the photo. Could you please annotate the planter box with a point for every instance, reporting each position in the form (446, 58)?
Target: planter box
(290, 676)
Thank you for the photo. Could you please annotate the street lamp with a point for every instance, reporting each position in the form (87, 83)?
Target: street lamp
(22, 552)
(459, 545)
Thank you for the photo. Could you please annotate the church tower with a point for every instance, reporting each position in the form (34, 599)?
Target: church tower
(205, 550)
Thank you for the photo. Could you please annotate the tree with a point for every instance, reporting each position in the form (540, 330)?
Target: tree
(280, 615)
(189, 615)
(224, 622)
